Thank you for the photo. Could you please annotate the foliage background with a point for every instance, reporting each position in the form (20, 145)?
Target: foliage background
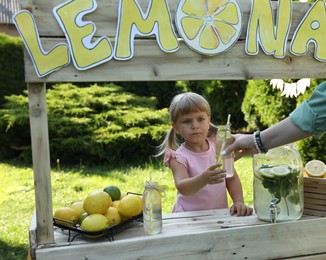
(131, 118)
(11, 66)
(110, 123)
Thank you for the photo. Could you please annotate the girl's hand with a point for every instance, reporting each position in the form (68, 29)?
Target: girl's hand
(214, 174)
(240, 209)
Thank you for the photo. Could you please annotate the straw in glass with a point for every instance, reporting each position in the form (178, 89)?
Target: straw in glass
(224, 138)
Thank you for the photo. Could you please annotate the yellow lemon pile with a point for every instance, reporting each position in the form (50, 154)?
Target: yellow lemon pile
(100, 209)
(315, 169)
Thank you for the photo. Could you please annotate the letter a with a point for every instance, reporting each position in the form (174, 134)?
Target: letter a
(312, 29)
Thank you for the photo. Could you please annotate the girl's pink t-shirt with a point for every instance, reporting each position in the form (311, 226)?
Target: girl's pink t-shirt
(209, 197)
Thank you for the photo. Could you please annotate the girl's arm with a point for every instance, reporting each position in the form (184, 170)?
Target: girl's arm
(187, 185)
(234, 188)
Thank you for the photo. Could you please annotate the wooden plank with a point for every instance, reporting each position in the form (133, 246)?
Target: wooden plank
(309, 180)
(309, 257)
(315, 188)
(313, 212)
(314, 201)
(106, 15)
(315, 196)
(41, 162)
(32, 236)
(302, 238)
(316, 207)
(152, 64)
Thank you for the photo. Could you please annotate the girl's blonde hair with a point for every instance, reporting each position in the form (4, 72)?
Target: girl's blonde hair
(183, 104)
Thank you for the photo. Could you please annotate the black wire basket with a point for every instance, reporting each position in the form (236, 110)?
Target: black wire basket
(74, 230)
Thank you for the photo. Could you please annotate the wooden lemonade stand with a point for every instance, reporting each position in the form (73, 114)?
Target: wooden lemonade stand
(191, 235)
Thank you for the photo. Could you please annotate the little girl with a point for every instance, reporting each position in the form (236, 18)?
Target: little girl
(200, 183)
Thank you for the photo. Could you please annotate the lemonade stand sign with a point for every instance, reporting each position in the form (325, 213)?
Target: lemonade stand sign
(207, 27)
(156, 40)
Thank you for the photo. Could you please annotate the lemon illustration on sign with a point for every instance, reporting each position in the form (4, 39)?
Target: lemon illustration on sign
(131, 205)
(315, 168)
(97, 202)
(94, 222)
(280, 171)
(113, 216)
(209, 27)
(66, 214)
(113, 191)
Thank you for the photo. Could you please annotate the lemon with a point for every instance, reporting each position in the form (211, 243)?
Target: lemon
(113, 216)
(209, 27)
(113, 191)
(94, 222)
(123, 194)
(115, 203)
(131, 205)
(123, 218)
(78, 206)
(280, 171)
(82, 217)
(97, 202)
(266, 172)
(315, 168)
(67, 214)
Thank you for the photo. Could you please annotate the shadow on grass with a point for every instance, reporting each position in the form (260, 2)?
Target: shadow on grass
(8, 252)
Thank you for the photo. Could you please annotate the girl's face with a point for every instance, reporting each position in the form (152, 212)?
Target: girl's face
(193, 127)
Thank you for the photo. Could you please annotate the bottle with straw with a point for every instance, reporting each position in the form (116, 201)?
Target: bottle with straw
(152, 207)
(223, 135)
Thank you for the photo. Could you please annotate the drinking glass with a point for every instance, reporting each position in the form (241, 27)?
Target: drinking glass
(223, 139)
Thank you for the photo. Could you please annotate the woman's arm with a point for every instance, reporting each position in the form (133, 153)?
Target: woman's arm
(306, 120)
(282, 133)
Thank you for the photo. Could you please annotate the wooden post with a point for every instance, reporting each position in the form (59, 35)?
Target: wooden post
(41, 162)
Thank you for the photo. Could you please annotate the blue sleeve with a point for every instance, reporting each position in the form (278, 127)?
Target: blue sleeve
(310, 116)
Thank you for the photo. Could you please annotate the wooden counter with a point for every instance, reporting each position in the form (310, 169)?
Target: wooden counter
(212, 234)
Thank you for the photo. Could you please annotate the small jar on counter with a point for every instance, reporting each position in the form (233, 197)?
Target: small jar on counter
(152, 208)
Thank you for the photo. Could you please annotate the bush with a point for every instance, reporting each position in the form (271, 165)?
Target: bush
(92, 125)
(312, 147)
(164, 91)
(264, 106)
(11, 67)
(224, 97)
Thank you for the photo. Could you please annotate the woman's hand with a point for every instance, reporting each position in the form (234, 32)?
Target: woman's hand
(243, 145)
(240, 209)
(214, 174)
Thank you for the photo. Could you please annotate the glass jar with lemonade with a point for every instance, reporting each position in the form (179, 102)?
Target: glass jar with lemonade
(278, 184)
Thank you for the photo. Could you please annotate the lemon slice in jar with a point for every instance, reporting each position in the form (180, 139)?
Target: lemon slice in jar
(315, 168)
(280, 171)
(266, 172)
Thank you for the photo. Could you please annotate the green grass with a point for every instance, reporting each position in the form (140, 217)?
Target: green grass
(68, 185)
